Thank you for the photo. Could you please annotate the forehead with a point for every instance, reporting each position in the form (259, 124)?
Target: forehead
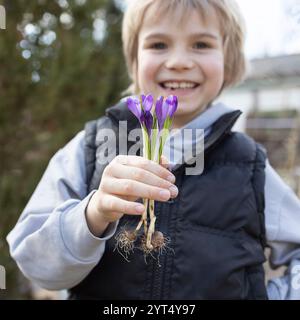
(178, 17)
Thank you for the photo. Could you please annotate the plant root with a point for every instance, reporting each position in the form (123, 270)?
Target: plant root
(125, 242)
(160, 245)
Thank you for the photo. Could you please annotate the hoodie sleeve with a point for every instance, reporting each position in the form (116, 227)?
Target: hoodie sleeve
(51, 241)
(283, 235)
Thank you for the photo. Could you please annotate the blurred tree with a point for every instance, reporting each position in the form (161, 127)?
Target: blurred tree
(61, 65)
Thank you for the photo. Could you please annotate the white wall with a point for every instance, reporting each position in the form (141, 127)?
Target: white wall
(269, 99)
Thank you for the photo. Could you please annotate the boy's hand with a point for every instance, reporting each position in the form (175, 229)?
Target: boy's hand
(124, 180)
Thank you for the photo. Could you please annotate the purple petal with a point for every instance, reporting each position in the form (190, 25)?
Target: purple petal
(158, 111)
(165, 110)
(148, 121)
(134, 106)
(147, 102)
(172, 101)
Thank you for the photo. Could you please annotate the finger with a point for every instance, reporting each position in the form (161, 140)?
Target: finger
(149, 165)
(126, 187)
(141, 175)
(114, 204)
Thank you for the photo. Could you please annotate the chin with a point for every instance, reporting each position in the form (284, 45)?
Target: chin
(185, 110)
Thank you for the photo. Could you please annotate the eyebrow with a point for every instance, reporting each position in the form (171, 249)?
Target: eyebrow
(193, 35)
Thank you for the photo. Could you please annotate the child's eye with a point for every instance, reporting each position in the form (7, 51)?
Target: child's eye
(158, 45)
(201, 45)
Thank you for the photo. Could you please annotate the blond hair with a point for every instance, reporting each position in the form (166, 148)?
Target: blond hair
(231, 24)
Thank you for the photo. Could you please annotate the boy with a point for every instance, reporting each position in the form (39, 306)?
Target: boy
(192, 49)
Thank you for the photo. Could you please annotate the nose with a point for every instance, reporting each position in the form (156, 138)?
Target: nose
(179, 59)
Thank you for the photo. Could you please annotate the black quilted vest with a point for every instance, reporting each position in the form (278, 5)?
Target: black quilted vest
(216, 224)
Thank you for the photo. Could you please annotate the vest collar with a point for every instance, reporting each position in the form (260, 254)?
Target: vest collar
(220, 128)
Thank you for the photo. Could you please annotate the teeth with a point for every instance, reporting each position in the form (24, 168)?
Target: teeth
(179, 85)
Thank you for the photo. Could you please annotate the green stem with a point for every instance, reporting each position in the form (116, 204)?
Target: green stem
(151, 226)
(146, 153)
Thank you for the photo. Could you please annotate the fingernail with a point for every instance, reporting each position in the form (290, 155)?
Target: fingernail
(140, 208)
(171, 178)
(174, 191)
(164, 194)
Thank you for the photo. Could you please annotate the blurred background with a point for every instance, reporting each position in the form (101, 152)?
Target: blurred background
(61, 65)
(270, 95)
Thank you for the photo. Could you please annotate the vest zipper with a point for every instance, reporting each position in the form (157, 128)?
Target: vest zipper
(158, 283)
(158, 271)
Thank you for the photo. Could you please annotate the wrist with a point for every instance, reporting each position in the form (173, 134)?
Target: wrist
(97, 224)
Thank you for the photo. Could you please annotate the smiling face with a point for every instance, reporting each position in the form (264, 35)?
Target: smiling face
(183, 58)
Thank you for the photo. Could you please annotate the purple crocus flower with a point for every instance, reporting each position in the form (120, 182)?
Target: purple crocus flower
(147, 102)
(164, 109)
(142, 111)
(159, 112)
(134, 106)
(148, 122)
(172, 101)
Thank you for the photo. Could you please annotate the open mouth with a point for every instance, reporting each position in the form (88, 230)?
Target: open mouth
(179, 86)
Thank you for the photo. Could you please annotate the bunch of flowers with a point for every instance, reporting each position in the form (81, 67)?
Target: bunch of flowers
(155, 124)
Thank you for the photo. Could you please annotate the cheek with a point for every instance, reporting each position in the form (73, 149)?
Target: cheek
(147, 70)
(214, 69)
